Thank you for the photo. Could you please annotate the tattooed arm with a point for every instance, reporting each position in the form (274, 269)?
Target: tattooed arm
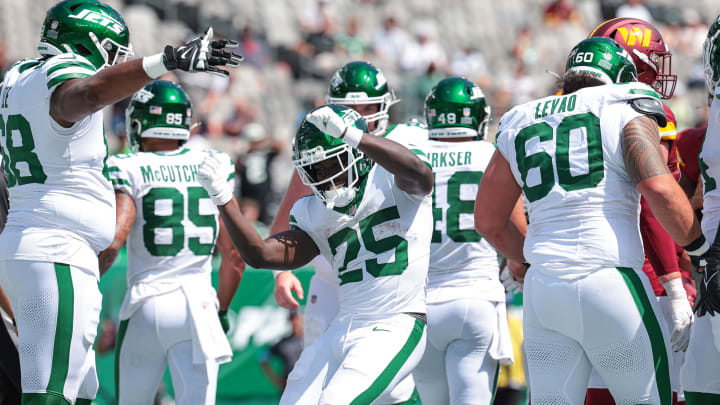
(125, 208)
(648, 171)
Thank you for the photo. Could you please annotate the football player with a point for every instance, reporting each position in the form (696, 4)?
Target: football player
(169, 314)
(580, 159)
(698, 375)
(652, 59)
(370, 215)
(468, 335)
(62, 207)
(362, 87)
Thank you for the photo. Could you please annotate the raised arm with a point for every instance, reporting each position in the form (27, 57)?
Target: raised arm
(125, 218)
(282, 251)
(75, 99)
(412, 175)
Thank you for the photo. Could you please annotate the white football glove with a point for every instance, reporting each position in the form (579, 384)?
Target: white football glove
(329, 122)
(214, 179)
(509, 282)
(681, 314)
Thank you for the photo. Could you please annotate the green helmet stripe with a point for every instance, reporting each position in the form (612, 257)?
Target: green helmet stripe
(59, 79)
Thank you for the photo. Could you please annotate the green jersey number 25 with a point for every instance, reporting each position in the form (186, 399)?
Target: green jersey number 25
(350, 236)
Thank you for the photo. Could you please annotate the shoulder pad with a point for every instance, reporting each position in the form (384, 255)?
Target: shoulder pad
(651, 107)
(66, 66)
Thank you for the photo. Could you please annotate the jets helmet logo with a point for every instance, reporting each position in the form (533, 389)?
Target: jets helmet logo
(100, 18)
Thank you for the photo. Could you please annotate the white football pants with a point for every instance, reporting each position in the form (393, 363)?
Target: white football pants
(456, 367)
(57, 311)
(159, 334)
(607, 321)
(356, 360)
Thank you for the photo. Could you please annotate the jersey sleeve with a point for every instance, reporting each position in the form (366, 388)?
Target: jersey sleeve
(669, 131)
(119, 176)
(299, 215)
(64, 67)
(689, 143)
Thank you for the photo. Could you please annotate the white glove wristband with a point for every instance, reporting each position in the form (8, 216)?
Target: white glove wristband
(154, 66)
(223, 197)
(675, 289)
(352, 136)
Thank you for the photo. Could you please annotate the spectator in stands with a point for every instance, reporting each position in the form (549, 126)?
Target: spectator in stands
(254, 48)
(525, 50)
(390, 41)
(418, 55)
(253, 168)
(288, 350)
(470, 63)
(560, 12)
(351, 42)
(634, 9)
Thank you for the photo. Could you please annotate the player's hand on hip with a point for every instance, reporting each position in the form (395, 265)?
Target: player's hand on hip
(508, 281)
(212, 177)
(285, 284)
(202, 54)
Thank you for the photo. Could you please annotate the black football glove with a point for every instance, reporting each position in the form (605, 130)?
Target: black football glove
(224, 321)
(708, 266)
(202, 55)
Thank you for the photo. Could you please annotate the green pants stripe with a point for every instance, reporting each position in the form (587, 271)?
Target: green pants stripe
(64, 329)
(699, 398)
(660, 357)
(494, 387)
(387, 375)
(118, 346)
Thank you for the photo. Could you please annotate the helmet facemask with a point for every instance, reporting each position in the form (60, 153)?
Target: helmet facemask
(334, 189)
(711, 56)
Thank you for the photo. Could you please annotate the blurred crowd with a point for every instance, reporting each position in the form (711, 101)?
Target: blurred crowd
(513, 49)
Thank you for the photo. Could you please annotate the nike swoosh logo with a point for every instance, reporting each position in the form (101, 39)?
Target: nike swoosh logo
(376, 329)
(711, 277)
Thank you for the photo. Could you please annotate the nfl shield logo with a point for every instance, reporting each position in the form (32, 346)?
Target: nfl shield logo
(313, 299)
(466, 111)
(155, 110)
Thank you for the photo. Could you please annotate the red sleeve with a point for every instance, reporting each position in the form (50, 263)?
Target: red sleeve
(659, 246)
(689, 144)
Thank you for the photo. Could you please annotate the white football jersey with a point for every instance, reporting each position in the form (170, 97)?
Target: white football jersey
(565, 152)
(378, 246)
(459, 257)
(176, 223)
(710, 171)
(60, 196)
(410, 135)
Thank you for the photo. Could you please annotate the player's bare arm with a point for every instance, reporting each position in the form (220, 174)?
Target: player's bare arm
(77, 98)
(412, 175)
(125, 217)
(286, 250)
(231, 269)
(493, 215)
(285, 281)
(648, 171)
